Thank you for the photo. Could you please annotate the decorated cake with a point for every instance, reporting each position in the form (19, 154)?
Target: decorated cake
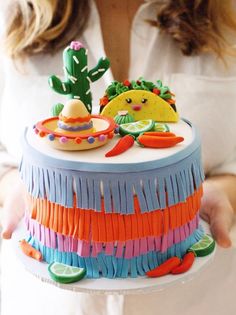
(115, 194)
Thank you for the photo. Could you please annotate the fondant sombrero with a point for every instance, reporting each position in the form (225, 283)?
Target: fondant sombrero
(75, 128)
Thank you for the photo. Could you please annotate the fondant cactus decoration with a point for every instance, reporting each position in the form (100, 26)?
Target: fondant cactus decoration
(78, 77)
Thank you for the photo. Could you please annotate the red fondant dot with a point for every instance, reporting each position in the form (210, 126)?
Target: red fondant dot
(110, 135)
(42, 134)
(78, 140)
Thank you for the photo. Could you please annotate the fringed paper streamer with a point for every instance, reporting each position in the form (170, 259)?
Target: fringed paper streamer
(155, 189)
(128, 249)
(108, 227)
(111, 266)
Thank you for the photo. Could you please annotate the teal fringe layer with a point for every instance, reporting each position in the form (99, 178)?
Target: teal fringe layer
(112, 267)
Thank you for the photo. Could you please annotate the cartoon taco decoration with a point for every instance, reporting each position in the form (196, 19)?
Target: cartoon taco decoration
(141, 99)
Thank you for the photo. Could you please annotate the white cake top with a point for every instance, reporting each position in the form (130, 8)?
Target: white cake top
(134, 155)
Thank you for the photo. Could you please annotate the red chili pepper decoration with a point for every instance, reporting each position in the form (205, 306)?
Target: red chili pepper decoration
(158, 141)
(185, 265)
(159, 134)
(121, 146)
(164, 268)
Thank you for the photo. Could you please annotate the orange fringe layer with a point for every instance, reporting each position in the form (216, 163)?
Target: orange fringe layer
(90, 225)
(74, 120)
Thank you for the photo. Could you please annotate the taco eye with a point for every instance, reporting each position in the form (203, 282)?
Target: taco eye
(128, 100)
(144, 100)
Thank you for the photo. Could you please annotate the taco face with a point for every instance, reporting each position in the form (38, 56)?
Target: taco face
(141, 104)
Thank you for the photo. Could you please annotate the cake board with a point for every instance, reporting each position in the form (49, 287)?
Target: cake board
(104, 286)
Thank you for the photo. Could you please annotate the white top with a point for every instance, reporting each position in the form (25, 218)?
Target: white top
(205, 94)
(134, 155)
(204, 88)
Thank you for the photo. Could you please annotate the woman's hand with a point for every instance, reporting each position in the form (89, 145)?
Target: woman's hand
(217, 210)
(14, 204)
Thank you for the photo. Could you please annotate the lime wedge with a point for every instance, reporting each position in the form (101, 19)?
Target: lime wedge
(137, 127)
(204, 247)
(161, 127)
(64, 273)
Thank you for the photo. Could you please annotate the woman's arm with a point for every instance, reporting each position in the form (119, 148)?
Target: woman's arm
(219, 205)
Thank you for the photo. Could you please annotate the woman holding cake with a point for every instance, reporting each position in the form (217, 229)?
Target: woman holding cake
(184, 43)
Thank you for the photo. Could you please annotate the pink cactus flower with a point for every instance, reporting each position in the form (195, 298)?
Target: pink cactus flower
(76, 45)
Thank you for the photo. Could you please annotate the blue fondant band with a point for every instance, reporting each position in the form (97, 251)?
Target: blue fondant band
(157, 184)
(42, 159)
(64, 126)
(166, 186)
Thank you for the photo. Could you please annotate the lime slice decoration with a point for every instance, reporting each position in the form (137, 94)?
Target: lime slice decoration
(64, 273)
(204, 247)
(161, 127)
(137, 127)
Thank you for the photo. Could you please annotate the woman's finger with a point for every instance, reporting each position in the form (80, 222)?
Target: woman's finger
(220, 228)
(218, 212)
(220, 224)
(13, 210)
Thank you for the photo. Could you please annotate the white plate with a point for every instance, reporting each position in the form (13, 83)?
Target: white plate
(104, 285)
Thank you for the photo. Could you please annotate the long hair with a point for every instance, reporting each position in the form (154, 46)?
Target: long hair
(200, 25)
(44, 26)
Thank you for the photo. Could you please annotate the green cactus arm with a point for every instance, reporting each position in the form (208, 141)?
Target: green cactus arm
(58, 86)
(98, 71)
